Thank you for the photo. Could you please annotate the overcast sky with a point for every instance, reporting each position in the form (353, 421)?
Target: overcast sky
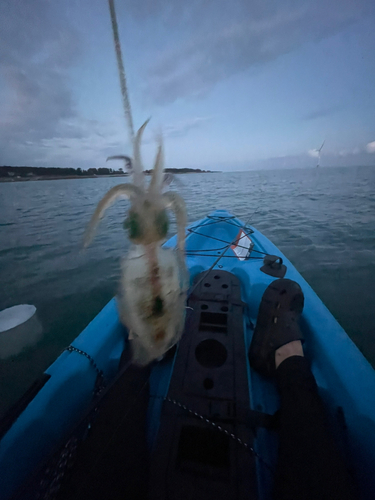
(232, 84)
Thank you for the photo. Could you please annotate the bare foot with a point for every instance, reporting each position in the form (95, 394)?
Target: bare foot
(293, 348)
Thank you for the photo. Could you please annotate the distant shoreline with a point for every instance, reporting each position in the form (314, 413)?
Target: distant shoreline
(56, 177)
(27, 178)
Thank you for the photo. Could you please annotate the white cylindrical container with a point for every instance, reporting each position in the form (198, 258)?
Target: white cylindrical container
(19, 328)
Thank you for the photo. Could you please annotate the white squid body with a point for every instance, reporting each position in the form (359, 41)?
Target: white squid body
(154, 280)
(153, 330)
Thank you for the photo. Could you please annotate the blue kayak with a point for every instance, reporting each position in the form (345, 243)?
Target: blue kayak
(201, 395)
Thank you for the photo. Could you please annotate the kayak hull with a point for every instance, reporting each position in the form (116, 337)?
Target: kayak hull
(222, 242)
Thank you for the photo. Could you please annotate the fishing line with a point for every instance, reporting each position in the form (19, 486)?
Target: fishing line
(121, 71)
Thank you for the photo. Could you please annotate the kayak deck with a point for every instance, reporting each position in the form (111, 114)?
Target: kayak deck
(346, 380)
(205, 440)
(191, 458)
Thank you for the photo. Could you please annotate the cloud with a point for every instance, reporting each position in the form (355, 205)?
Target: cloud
(344, 158)
(37, 48)
(358, 151)
(174, 130)
(218, 39)
(180, 129)
(314, 153)
(87, 143)
(321, 113)
(78, 142)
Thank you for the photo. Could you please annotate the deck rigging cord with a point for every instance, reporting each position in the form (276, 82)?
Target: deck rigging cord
(226, 248)
(217, 427)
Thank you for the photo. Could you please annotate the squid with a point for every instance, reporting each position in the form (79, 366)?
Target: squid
(154, 279)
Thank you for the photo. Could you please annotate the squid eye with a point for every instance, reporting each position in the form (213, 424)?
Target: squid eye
(162, 223)
(133, 225)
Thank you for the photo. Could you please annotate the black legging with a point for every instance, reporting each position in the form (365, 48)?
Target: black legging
(309, 464)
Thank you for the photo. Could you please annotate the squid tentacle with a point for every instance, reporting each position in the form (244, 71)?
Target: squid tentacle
(127, 161)
(137, 167)
(119, 191)
(158, 171)
(174, 202)
(167, 180)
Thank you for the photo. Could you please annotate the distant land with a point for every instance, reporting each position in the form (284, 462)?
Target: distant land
(14, 174)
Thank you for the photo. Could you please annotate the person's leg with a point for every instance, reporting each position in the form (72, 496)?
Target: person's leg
(309, 463)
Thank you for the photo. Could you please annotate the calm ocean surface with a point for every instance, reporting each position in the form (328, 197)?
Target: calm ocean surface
(322, 219)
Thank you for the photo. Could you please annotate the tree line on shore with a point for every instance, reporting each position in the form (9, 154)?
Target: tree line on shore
(8, 171)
